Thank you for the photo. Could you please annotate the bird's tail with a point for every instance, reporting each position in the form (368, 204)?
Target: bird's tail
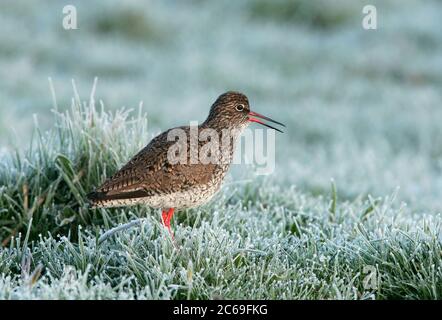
(99, 199)
(96, 199)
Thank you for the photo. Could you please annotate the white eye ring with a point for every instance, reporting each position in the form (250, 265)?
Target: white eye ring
(239, 107)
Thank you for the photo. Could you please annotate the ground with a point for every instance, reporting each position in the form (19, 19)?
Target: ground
(352, 210)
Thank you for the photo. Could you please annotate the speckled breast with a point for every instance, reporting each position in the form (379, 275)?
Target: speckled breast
(192, 197)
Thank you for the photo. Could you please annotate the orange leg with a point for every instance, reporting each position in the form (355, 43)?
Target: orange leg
(167, 216)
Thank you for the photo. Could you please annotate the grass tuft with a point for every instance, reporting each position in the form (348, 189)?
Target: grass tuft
(48, 183)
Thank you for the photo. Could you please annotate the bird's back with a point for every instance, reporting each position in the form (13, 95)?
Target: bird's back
(151, 178)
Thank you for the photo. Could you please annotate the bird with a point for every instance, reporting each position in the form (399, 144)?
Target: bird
(167, 175)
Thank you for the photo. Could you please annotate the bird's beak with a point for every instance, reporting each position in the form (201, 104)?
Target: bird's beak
(255, 114)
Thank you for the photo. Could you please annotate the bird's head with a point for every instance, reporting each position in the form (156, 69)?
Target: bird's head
(232, 110)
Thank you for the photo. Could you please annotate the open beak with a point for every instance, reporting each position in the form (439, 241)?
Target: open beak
(257, 115)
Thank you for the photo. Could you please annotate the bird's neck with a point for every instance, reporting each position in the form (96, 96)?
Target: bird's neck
(223, 127)
(226, 134)
(217, 123)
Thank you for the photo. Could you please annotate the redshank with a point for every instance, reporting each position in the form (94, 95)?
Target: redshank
(154, 179)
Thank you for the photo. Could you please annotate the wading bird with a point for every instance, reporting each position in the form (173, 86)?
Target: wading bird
(153, 178)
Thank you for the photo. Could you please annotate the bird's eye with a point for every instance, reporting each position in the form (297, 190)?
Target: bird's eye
(239, 107)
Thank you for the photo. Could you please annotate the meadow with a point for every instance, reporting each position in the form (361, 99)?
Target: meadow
(352, 210)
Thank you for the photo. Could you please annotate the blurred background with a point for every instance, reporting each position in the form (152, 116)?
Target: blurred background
(361, 106)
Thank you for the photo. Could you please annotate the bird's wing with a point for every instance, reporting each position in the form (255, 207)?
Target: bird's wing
(149, 173)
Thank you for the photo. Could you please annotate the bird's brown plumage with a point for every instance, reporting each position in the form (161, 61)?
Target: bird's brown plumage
(149, 173)
(151, 178)
(155, 178)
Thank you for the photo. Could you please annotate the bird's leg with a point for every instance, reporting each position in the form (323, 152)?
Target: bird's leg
(164, 215)
(167, 216)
